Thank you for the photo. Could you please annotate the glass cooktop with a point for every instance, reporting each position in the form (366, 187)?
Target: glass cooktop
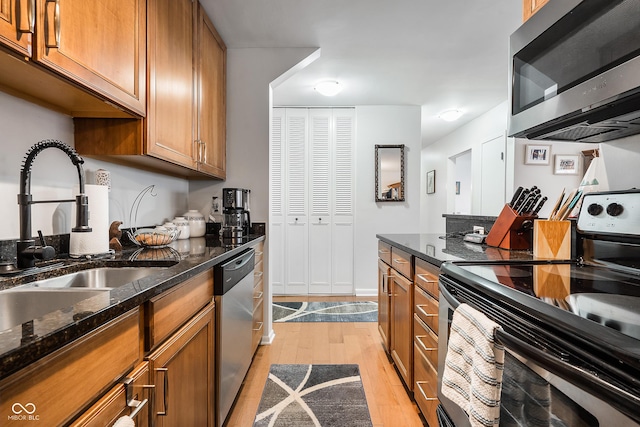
(610, 298)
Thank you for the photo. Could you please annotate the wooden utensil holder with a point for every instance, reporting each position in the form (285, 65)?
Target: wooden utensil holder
(552, 239)
(509, 230)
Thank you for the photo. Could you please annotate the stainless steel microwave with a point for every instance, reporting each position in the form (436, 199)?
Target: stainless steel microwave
(575, 72)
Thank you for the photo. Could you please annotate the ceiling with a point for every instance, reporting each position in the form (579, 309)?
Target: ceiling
(437, 54)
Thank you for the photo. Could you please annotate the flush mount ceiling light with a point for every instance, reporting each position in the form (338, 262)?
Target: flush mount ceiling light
(328, 87)
(450, 115)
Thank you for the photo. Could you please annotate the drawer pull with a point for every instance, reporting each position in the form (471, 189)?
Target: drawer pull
(419, 307)
(259, 253)
(138, 407)
(400, 261)
(419, 384)
(258, 274)
(383, 251)
(259, 296)
(259, 327)
(165, 391)
(56, 25)
(425, 278)
(424, 347)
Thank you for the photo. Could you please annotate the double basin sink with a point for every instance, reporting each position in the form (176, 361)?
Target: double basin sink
(36, 299)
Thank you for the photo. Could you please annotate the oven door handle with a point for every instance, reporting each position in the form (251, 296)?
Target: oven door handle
(451, 300)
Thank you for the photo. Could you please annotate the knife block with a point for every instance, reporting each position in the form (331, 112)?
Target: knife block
(510, 231)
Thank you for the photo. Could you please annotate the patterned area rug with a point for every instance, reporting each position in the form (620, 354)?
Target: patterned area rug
(312, 396)
(364, 311)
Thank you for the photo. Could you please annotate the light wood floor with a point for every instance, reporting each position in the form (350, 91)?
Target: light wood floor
(308, 343)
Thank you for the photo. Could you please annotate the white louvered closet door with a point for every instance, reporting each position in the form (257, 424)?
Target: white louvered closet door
(312, 189)
(320, 191)
(296, 195)
(342, 237)
(276, 202)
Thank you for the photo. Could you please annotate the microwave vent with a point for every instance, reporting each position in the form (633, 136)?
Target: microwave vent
(579, 133)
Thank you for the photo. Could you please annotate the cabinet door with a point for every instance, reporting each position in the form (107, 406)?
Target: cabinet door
(211, 97)
(99, 44)
(384, 301)
(17, 18)
(402, 326)
(171, 112)
(182, 371)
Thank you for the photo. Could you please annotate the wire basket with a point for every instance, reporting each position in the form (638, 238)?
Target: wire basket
(159, 237)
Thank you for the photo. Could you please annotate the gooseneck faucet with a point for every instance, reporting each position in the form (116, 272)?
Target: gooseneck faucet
(26, 250)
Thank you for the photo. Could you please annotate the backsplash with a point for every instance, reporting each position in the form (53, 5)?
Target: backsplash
(463, 224)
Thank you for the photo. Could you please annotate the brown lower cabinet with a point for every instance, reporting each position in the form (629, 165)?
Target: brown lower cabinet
(408, 323)
(182, 372)
(402, 326)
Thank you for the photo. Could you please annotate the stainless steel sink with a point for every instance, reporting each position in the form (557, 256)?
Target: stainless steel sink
(103, 277)
(20, 305)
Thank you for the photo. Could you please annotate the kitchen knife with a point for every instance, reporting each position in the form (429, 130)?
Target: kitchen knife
(530, 202)
(514, 199)
(518, 204)
(537, 209)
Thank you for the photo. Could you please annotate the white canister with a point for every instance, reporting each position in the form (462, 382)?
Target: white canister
(183, 227)
(197, 224)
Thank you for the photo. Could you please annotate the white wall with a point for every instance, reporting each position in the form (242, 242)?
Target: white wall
(383, 125)
(438, 156)
(542, 176)
(622, 160)
(53, 175)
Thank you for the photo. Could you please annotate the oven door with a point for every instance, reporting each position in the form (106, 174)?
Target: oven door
(538, 388)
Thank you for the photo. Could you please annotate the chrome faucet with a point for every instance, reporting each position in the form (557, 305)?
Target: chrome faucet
(26, 250)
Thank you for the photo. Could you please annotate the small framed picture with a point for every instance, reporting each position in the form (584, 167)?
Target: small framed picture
(431, 182)
(537, 154)
(566, 164)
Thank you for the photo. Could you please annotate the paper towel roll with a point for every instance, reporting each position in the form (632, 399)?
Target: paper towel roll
(97, 240)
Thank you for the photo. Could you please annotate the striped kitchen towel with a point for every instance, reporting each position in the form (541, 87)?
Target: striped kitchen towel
(474, 364)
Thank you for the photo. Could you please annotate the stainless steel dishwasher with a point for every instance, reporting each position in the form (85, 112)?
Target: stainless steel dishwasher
(233, 289)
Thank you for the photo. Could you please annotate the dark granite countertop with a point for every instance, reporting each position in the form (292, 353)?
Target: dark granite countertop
(437, 248)
(57, 329)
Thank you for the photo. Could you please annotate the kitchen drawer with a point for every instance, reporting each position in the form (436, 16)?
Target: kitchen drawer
(384, 251)
(259, 248)
(173, 308)
(427, 277)
(63, 383)
(425, 390)
(426, 307)
(401, 261)
(258, 275)
(258, 323)
(426, 340)
(113, 405)
(258, 294)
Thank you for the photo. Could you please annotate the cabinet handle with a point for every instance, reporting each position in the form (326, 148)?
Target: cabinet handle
(165, 391)
(56, 24)
(383, 251)
(418, 383)
(259, 327)
(31, 16)
(259, 296)
(138, 408)
(400, 261)
(419, 307)
(424, 347)
(424, 279)
(259, 253)
(258, 274)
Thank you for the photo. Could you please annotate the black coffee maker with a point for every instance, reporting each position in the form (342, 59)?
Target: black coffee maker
(236, 219)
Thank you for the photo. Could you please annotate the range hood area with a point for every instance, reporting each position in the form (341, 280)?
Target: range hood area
(613, 120)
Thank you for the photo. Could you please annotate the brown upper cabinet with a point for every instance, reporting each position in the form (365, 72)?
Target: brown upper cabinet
(83, 58)
(529, 7)
(183, 133)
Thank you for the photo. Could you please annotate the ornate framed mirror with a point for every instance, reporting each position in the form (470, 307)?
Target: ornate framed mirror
(390, 173)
